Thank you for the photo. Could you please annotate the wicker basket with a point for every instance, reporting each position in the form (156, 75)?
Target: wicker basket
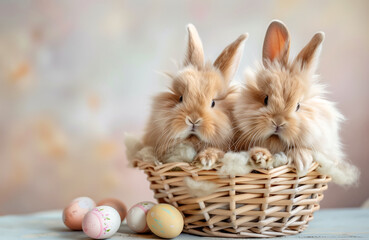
(264, 203)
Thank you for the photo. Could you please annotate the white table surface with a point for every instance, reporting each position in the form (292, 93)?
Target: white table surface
(327, 224)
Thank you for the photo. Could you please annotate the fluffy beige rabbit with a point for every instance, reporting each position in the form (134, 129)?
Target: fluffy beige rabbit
(283, 108)
(192, 119)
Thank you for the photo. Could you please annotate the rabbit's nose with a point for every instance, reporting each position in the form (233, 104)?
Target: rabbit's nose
(193, 123)
(278, 125)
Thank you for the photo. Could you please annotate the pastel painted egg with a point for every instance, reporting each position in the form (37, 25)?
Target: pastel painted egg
(136, 217)
(101, 222)
(165, 221)
(73, 214)
(117, 205)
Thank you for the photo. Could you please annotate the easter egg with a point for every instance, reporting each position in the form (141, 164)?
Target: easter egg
(165, 221)
(136, 217)
(117, 205)
(101, 222)
(73, 214)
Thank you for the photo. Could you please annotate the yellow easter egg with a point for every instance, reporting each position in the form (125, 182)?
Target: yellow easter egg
(165, 221)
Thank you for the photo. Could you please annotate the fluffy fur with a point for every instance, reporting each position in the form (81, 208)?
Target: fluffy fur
(196, 110)
(279, 159)
(133, 146)
(240, 163)
(235, 164)
(283, 108)
(200, 188)
(342, 173)
(136, 150)
(182, 152)
(146, 154)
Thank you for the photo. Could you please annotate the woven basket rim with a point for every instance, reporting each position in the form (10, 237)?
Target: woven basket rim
(187, 167)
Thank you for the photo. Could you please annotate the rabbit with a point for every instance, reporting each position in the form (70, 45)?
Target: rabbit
(283, 108)
(191, 122)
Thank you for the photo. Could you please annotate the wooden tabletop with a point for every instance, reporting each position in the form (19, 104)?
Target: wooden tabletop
(327, 224)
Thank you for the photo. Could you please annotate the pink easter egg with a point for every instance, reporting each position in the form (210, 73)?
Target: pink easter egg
(73, 214)
(101, 222)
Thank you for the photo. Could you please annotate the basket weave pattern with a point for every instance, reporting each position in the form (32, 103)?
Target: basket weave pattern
(264, 203)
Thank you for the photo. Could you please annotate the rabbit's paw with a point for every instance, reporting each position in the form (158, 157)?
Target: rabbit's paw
(207, 158)
(261, 158)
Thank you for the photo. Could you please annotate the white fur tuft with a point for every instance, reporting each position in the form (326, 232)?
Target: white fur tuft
(342, 173)
(136, 150)
(280, 159)
(147, 154)
(180, 153)
(235, 164)
(200, 188)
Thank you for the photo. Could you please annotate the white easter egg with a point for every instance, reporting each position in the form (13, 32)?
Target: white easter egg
(136, 217)
(101, 222)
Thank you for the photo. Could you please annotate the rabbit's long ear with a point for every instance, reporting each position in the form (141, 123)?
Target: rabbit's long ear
(195, 53)
(229, 59)
(307, 60)
(276, 43)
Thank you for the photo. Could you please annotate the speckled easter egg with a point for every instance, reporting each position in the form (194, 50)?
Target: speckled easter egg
(165, 221)
(116, 204)
(136, 217)
(73, 214)
(101, 222)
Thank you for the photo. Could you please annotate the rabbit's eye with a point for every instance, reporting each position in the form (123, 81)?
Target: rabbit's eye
(212, 103)
(266, 100)
(180, 98)
(298, 107)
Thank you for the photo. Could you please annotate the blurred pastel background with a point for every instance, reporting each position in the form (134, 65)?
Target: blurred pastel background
(76, 75)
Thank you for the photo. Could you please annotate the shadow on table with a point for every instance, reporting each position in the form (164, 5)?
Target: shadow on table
(60, 229)
(124, 231)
